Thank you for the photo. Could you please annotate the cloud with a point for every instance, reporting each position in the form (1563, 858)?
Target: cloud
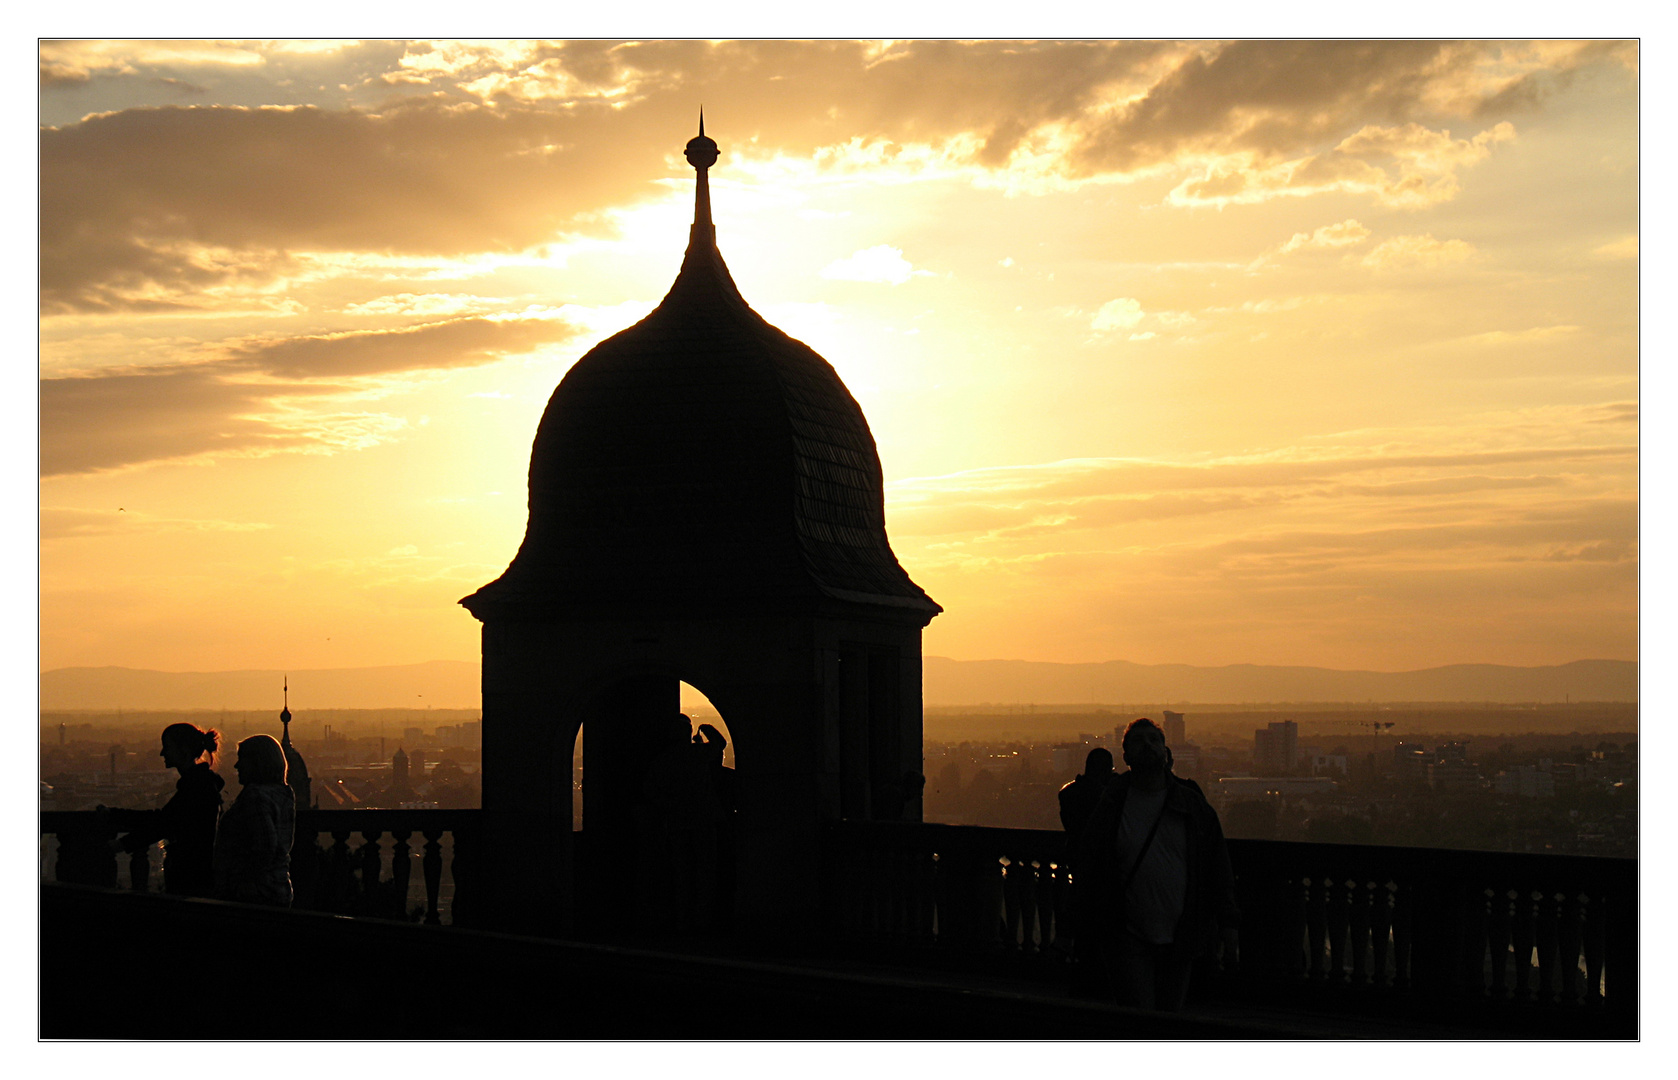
(502, 146)
(1327, 237)
(880, 263)
(260, 395)
(454, 343)
(1623, 248)
(1120, 314)
(64, 522)
(424, 304)
(1413, 252)
(130, 200)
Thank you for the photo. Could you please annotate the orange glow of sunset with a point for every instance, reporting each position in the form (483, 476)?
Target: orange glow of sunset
(1256, 352)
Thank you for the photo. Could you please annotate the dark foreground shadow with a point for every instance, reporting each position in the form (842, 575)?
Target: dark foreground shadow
(112, 967)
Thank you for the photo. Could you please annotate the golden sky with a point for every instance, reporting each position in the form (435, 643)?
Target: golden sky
(1276, 352)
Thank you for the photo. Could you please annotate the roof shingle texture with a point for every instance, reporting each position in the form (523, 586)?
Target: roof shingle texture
(702, 458)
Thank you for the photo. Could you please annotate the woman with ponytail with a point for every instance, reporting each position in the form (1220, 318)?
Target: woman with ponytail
(187, 822)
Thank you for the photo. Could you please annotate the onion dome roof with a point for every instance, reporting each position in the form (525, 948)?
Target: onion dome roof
(703, 459)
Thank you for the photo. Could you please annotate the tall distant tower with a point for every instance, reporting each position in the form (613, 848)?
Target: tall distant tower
(297, 772)
(1175, 730)
(706, 505)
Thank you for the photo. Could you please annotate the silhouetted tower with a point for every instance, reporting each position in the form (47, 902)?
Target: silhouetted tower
(706, 505)
(399, 771)
(297, 771)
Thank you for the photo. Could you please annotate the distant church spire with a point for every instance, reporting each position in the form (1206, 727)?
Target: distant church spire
(701, 153)
(297, 770)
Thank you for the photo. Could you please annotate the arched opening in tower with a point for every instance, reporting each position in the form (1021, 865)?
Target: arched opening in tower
(653, 805)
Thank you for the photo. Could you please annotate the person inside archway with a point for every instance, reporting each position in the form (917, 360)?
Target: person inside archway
(680, 819)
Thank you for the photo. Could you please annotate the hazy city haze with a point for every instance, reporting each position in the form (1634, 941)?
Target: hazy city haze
(1278, 353)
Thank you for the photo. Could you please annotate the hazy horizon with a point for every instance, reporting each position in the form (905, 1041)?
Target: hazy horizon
(1282, 353)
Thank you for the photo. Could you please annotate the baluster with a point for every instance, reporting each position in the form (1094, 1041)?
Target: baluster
(401, 869)
(1015, 931)
(1337, 923)
(305, 864)
(938, 927)
(905, 866)
(371, 870)
(1521, 934)
(85, 857)
(1296, 926)
(1362, 898)
(339, 872)
(1380, 933)
(456, 866)
(432, 866)
(1571, 917)
(1403, 934)
(1029, 912)
(1497, 941)
(1547, 935)
(1471, 972)
(1316, 927)
(1594, 944)
(1050, 883)
(139, 869)
(926, 911)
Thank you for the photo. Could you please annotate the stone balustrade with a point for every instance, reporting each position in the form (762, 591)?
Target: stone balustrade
(341, 860)
(1384, 927)
(1506, 937)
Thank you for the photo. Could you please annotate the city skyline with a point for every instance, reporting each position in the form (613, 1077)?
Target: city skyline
(1206, 353)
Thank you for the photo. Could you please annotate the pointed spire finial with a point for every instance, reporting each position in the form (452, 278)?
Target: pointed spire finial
(701, 153)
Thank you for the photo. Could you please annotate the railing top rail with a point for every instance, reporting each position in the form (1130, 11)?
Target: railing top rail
(55, 821)
(1563, 870)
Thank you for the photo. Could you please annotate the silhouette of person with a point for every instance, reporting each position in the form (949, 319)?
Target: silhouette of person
(680, 846)
(253, 848)
(1077, 803)
(187, 822)
(1077, 799)
(1156, 874)
(711, 744)
(894, 799)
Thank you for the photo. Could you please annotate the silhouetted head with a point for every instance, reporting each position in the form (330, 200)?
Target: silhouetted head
(260, 761)
(1097, 761)
(1144, 746)
(681, 729)
(184, 745)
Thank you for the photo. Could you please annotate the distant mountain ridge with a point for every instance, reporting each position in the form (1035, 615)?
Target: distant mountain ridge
(973, 682)
(454, 684)
(440, 684)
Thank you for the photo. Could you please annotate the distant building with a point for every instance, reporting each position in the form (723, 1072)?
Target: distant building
(1276, 747)
(1185, 759)
(1329, 765)
(1234, 788)
(1410, 760)
(1525, 781)
(1176, 733)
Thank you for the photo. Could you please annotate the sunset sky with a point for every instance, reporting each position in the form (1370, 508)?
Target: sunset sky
(1203, 352)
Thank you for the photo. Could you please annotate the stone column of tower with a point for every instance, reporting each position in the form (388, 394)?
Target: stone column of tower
(706, 505)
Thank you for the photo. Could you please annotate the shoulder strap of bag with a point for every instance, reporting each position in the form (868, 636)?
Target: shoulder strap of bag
(1136, 864)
